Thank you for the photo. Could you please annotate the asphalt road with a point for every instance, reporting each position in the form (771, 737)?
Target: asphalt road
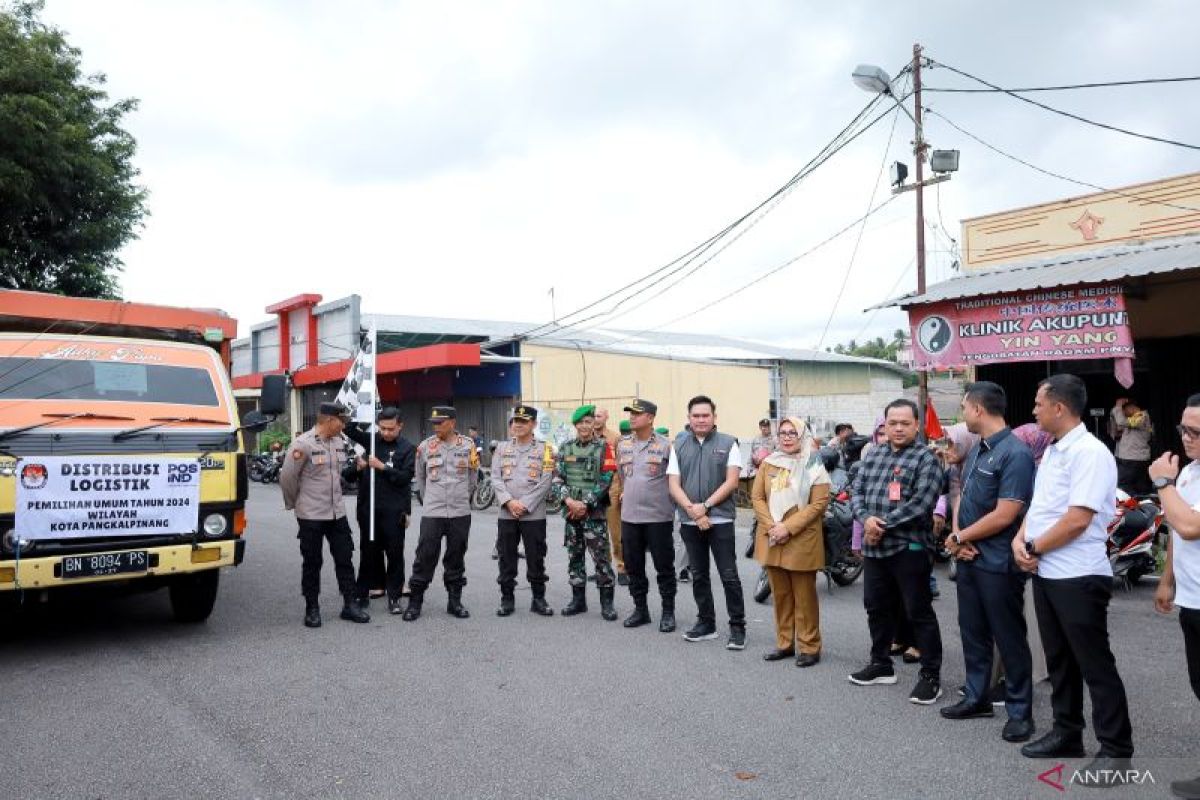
(108, 698)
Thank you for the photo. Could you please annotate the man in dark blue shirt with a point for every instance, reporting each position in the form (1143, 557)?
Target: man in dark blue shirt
(997, 484)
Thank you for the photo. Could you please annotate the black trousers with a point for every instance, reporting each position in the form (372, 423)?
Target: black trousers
(429, 546)
(388, 545)
(512, 533)
(719, 540)
(1072, 616)
(1189, 620)
(312, 536)
(1134, 477)
(902, 580)
(991, 611)
(659, 539)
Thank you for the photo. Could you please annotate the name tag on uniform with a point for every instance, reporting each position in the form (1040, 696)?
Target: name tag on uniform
(318, 458)
(894, 494)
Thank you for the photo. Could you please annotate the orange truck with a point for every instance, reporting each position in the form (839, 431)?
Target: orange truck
(121, 449)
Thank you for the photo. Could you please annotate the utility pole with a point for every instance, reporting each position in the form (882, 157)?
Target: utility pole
(919, 153)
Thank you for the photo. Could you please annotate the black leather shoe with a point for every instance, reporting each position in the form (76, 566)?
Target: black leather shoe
(539, 606)
(640, 616)
(667, 623)
(778, 655)
(312, 617)
(578, 603)
(455, 608)
(965, 710)
(413, 611)
(1018, 730)
(1110, 771)
(1055, 745)
(807, 659)
(353, 612)
(507, 606)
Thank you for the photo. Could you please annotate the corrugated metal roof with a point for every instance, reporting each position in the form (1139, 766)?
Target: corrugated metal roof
(1096, 266)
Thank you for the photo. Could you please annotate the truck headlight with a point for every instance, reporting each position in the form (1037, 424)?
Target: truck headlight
(12, 542)
(215, 525)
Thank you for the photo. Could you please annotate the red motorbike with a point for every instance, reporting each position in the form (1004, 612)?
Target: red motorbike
(1133, 538)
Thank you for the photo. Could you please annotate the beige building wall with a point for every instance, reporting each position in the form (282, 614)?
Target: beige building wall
(560, 379)
(1153, 210)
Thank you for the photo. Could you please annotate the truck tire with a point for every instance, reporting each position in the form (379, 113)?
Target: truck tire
(193, 595)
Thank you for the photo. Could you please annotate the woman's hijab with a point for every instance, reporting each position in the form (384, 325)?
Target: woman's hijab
(1035, 438)
(962, 439)
(798, 473)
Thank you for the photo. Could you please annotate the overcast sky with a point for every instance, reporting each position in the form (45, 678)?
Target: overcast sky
(460, 159)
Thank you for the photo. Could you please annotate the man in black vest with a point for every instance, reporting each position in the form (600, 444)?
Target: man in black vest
(703, 475)
(393, 465)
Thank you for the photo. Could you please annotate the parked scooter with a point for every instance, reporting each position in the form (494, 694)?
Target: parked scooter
(1133, 537)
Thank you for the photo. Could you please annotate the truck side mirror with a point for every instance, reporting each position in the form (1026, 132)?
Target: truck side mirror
(273, 398)
(255, 421)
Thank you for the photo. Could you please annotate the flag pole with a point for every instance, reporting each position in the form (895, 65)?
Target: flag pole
(374, 426)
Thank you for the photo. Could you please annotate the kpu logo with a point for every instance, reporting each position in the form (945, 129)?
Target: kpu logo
(34, 476)
(934, 335)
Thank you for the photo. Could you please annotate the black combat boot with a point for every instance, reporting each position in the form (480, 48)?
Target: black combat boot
(539, 605)
(353, 612)
(312, 614)
(640, 615)
(454, 606)
(606, 603)
(413, 611)
(667, 623)
(507, 605)
(578, 603)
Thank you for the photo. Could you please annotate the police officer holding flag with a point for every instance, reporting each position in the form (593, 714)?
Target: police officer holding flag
(312, 487)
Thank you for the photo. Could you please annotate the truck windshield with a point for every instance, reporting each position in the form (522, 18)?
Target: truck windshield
(67, 379)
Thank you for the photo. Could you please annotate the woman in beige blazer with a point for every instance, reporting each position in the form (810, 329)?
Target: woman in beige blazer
(790, 494)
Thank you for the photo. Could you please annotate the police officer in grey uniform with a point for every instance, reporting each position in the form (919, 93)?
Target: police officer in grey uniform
(311, 480)
(522, 469)
(447, 472)
(647, 514)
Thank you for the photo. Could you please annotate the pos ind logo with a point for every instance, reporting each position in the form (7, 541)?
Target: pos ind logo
(934, 334)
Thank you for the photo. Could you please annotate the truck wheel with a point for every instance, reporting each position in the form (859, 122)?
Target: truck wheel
(193, 596)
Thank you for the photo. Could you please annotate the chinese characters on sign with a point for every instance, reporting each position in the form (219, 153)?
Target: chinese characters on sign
(1038, 325)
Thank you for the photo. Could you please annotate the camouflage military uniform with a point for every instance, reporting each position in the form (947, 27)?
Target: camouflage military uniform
(583, 471)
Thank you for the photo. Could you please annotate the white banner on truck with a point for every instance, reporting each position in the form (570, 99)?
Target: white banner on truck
(74, 497)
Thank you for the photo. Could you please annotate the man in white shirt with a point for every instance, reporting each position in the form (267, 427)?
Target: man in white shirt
(702, 474)
(1063, 544)
(1179, 492)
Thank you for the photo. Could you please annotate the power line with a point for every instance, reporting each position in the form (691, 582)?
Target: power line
(858, 240)
(761, 277)
(1068, 114)
(699, 249)
(813, 166)
(1060, 176)
(1066, 87)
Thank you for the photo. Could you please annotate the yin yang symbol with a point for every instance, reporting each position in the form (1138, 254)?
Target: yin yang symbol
(934, 334)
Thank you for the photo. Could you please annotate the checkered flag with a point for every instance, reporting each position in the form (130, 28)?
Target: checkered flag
(358, 390)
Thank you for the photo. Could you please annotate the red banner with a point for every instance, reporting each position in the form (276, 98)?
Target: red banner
(1081, 322)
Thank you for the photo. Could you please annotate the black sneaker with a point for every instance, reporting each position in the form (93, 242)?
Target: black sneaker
(998, 693)
(394, 605)
(737, 639)
(873, 674)
(685, 576)
(701, 632)
(926, 692)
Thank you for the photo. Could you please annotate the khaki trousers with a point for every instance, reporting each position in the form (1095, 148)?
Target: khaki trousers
(797, 612)
(614, 533)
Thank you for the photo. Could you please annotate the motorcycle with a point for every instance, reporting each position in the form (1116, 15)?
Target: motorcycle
(485, 493)
(841, 565)
(256, 466)
(1133, 538)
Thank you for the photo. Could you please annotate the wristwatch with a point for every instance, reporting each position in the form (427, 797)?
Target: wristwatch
(1029, 551)
(954, 537)
(707, 505)
(1162, 483)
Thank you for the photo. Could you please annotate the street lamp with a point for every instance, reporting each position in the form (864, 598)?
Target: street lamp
(874, 80)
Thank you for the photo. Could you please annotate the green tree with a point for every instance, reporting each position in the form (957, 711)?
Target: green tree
(68, 201)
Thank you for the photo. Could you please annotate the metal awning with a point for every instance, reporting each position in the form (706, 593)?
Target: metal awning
(1103, 265)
